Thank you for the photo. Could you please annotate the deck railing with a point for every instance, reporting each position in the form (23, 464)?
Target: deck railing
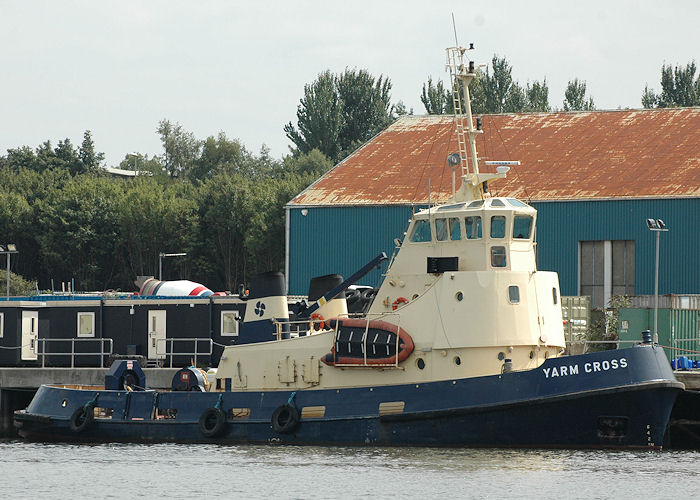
(106, 346)
(196, 342)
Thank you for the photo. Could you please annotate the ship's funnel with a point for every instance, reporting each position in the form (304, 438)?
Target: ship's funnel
(267, 301)
(179, 288)
(319, 286)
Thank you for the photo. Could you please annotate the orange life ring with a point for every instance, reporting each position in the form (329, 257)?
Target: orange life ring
(317, 322)
(400, 300)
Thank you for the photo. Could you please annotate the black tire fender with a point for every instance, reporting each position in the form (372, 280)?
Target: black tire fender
(212, 422)
(285, 419)
(81, 418)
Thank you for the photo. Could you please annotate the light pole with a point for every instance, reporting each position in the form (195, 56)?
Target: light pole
(160, 262)
(657, 226)
(8, 249)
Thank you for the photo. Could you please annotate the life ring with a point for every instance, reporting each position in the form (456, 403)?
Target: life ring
(212, 422)
(81, 418)
(317, 322)
(285, 419)
(400, 300)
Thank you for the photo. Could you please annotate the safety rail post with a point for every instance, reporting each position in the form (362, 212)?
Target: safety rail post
(41, 342)
(364, 341)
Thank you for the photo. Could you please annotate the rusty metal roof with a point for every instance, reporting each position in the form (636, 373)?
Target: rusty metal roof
(651, 153)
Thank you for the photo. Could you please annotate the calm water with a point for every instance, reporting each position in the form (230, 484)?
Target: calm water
(207, 471)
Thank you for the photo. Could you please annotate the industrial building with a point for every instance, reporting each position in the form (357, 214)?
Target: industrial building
(594, 177)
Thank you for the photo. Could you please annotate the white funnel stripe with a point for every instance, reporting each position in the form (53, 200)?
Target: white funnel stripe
(266, 308)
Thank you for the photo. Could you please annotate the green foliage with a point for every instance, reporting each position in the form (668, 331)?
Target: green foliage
(181, 149)
(47, 158)
(575, 97)
(142, 163)
(215, 200)
(18, 285)
(436, 99)
(606, 327)
(338, 113)
(679, 87)
(313, 163)
(493, 91)
(89, 159)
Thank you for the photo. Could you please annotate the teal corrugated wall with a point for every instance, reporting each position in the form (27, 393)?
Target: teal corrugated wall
(342, 239)
(561, 225)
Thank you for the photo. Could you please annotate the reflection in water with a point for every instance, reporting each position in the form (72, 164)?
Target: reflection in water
(210, 471)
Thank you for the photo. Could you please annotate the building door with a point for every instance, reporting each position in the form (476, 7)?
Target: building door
(156, 335)
(30, 333)
(606, 268)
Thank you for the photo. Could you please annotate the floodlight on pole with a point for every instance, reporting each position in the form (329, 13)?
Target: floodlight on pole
(8, 249)
(657, 226)
(161, 255)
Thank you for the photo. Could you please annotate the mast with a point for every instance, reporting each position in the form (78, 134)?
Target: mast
(462, 70)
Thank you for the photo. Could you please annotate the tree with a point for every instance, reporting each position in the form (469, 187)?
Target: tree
(318, 118)
(538, 96)
(181, 148)
(436, 99)
(338, 113)
(314, 163)
(88, 157)
(679, 87)
(575, 97)
(493, 91)
(142, 163)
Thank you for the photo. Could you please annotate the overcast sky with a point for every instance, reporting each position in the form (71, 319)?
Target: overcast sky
(117, 68)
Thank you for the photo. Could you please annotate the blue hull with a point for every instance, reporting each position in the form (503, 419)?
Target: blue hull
(619, 399)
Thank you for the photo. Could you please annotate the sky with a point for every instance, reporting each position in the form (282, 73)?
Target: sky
(117, 68)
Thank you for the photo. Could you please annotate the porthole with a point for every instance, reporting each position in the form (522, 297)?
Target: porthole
(501, 356)
(420, 363)
(64, 403)
(459, 296)
(546, 354)
(415, 296)
(532, 354)
(458, 360)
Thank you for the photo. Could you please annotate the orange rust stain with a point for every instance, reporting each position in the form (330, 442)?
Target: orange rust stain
(579, 155)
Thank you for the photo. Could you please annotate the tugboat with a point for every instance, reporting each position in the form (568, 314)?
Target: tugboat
(463, 345)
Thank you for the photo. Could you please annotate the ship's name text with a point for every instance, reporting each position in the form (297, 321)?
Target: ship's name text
(590, 367)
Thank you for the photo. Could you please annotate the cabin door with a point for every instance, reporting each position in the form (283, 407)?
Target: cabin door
(156, 335)
(30, 333)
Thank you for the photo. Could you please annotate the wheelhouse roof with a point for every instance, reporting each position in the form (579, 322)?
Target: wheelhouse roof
(650, 153)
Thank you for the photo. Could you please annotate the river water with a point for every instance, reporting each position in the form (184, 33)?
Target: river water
(35, 470)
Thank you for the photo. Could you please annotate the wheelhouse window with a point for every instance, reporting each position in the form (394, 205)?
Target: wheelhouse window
(498, 256)
(497, 203)
(445, 228)
(522, 227)
(455, 231)
(513, 294)
(86, 324)
(516, 203)
(421, 231)
(473, 227)
(441, 232)
(498, 226)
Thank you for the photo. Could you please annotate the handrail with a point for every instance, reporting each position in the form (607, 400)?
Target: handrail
(366, 317)
(42, 350)
(172, 353)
